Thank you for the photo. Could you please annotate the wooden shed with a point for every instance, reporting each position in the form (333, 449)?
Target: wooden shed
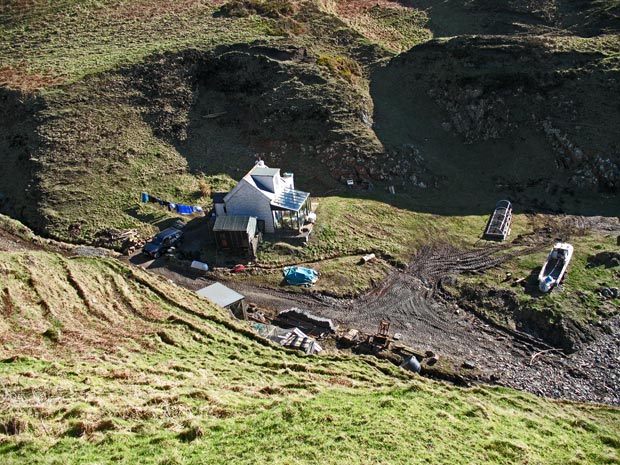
(237, 235)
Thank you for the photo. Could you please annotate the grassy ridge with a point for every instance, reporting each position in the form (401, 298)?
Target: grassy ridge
(102, 363)
(65, 43)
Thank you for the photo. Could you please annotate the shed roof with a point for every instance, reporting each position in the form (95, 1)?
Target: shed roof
(289, 199)
(236, 223)
(220, 295)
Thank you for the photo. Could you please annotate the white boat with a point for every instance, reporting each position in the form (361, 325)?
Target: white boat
(555, 266)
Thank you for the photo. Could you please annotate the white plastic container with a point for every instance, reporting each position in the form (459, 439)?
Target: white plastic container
(199, 266)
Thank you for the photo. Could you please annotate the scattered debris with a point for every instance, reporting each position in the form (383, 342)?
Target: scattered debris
(312, 324)
(380, 340)
(537, 355)
(291, 338)
(350, 337)
(369, 257)
(412, 364)
(127, 241)
(296, 339)
(199, 266)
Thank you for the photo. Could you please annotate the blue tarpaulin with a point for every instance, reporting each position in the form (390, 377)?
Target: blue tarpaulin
(300, 276)
(181, 209)
(185, 209)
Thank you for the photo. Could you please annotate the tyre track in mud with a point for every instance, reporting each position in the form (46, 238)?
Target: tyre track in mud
(409, 300)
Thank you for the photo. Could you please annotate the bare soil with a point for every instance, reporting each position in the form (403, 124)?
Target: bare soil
(426, 322)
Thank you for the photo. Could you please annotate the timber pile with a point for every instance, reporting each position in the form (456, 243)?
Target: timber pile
(127, 241)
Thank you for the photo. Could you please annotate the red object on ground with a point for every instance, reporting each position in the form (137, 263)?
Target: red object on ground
(238, 268)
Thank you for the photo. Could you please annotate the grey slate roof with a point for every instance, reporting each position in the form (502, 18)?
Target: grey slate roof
(220, 295)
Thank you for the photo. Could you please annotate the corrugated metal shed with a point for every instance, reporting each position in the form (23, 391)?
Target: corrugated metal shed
(290, 199)
(220, 295)
(236, 223)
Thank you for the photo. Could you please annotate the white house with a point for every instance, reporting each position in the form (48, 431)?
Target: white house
(270, 197)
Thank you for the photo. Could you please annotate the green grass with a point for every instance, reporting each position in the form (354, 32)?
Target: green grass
(346, 229)
(67, 43)
(110, 389)
(99, 151)
(577, 299)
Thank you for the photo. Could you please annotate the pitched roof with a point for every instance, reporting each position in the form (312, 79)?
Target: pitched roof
(248, 180)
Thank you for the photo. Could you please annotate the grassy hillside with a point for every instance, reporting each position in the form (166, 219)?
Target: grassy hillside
(104, 363)
(131, 93)
(102, 100)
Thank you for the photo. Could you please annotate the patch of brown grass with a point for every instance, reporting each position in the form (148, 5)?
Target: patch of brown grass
(356, 8)
(157, 9)
(345, 67)
(22, 80)
(204, 188)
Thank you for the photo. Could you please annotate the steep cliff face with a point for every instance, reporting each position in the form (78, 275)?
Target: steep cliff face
(277, 102)
(19, 143)
(535, 113)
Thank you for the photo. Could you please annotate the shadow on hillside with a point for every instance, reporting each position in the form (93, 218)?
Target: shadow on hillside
(239, 111)
(470, 126)
(449, 18)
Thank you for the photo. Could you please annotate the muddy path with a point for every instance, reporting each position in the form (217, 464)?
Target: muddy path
(426, 322)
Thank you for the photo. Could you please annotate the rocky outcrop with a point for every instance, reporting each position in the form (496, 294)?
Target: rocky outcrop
(279, 99)
(590, 172)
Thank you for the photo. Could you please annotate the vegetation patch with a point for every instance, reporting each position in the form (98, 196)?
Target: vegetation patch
(568, 315)
(343, 67)
(268, 8)
(227, 395)
(394, 25)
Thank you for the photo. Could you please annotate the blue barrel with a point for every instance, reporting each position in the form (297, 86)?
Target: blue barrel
(145, 197)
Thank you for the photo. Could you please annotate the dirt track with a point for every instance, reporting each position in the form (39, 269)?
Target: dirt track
(592, 374)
